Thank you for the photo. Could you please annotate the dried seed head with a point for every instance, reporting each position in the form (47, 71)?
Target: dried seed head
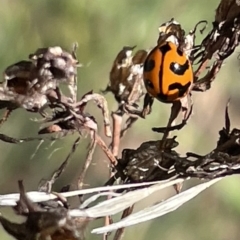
(56, 65)
(171, 31)
(61, 64)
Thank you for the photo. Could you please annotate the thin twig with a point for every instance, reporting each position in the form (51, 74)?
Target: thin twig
(117, 123)
(47, 185)
(87, 162)
(106, 150)
(120, 231)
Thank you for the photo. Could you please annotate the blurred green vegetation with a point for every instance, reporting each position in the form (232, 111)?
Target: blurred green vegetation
(102, 28)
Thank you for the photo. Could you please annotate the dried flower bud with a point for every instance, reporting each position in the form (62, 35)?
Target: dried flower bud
(124, 72)
(61, 64)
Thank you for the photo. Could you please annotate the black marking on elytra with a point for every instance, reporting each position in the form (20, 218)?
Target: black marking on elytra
(180, 52)
(182, 89)
(149, 65)
(178, 68)
(161, 97)
(148, 83)
(163, 49)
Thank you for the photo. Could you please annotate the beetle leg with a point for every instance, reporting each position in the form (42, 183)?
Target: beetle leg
(176, 107)
(147, 105)
(186, 109)
(129, 123)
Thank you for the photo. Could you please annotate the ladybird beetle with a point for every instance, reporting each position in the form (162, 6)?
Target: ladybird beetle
(168, 73)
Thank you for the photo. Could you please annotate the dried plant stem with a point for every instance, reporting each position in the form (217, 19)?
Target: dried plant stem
(106, 223)
(102, 104)
(8, 139)
(119, 234)
(117, 123)
(87, 162)
(118, 132)
(106, 150)
(47, 185)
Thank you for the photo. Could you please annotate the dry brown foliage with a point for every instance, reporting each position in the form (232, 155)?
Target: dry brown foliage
(34, 85)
